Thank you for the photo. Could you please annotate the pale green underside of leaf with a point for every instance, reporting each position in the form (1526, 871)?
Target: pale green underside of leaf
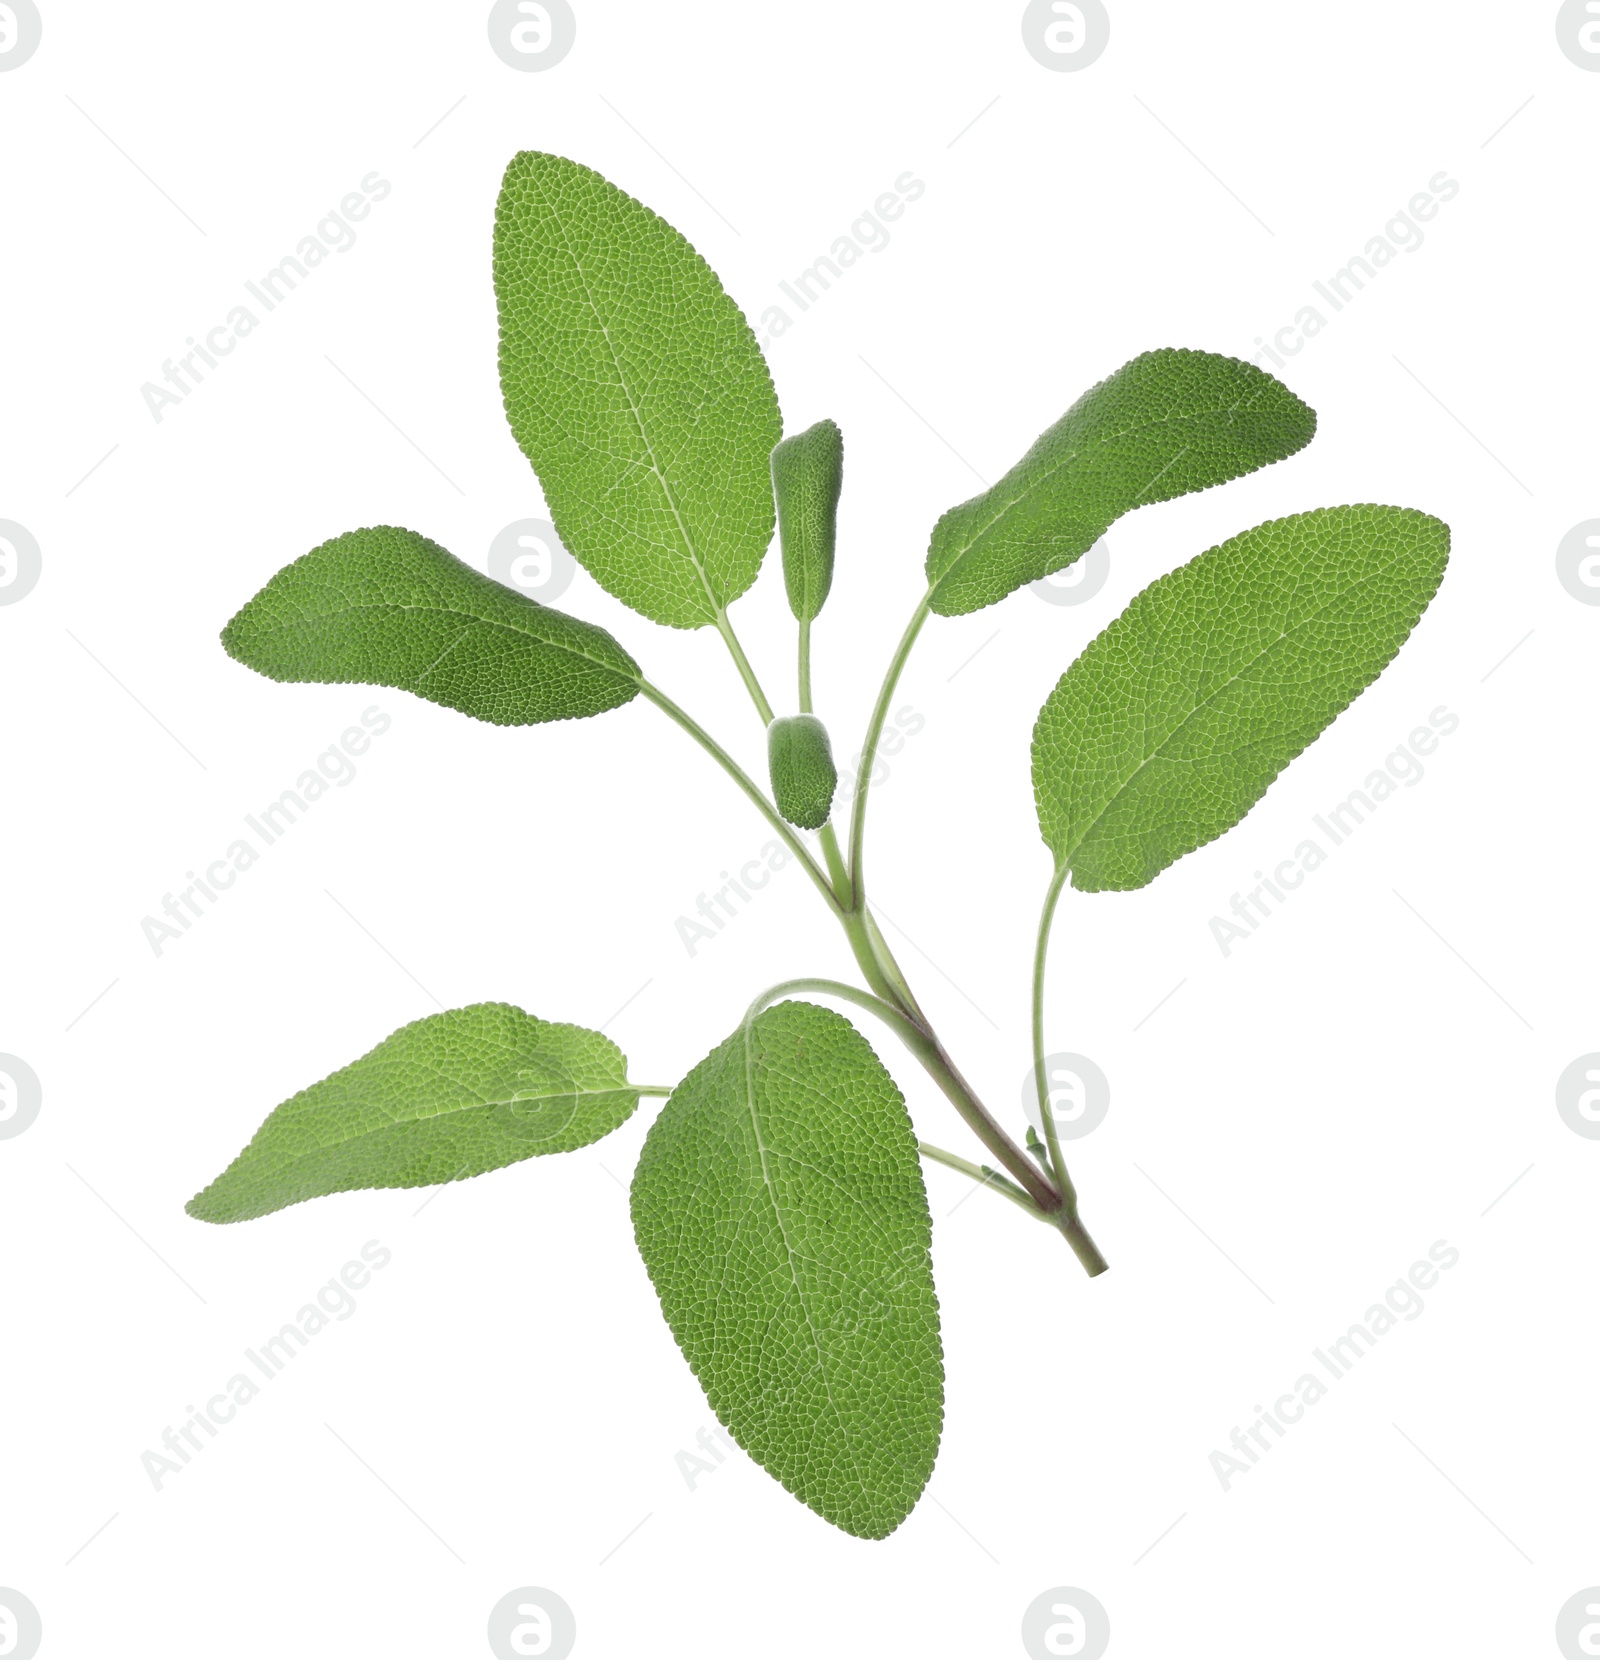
(807, 476)
(779, 1207)
(633, 384)
(1171, 725)
(389, 607)
(1167, 423)
(447, 1097)
(800, 765)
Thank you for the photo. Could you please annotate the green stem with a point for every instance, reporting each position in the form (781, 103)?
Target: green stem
(856, 930)
(652, 1089)
(869, 750)
(836, 867)
(1041, 1083)
(1077, 1235)
(747, 784)
(752, 685)
(805, 665)
(1083, 1247)
(894, 1002)
(922, 1043)
(892, 970)
(886, 1012)
(983, 1176)
(937, 1063)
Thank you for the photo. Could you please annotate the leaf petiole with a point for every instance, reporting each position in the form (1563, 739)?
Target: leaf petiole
(886, 1012)
(748, 785)
(984, 1177)
(836, 865)
(804, 655)
(869, 749)
(746, 671)
(1041, 1083)
(1077, 1235)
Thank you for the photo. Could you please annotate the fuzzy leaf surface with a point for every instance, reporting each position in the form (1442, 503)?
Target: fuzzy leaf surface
(634, 385)
(450, 1096)
(1171, 725)
(779, 1206)
(800, 765)
(389, 607)
(807, 477)
(1167, 423)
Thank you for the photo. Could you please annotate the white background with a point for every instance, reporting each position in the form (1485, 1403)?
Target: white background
(1343, 1090)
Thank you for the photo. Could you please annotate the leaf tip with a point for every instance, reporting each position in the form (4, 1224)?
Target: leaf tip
(205, 1207)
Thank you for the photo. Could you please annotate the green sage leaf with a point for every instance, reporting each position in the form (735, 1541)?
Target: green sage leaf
(1165, 424)
(1171, 725)
(450, 1096)
(635, 387)
(800, 764)
(779, 1207)
(388, 607)
(807, 475)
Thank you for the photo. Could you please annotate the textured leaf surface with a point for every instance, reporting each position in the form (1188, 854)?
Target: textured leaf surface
(779, 1207)
(387, 607)
(450, 1096)
(1171, 725)
(635, 387)
(1166, 423)
(807, 475)
(800, 764)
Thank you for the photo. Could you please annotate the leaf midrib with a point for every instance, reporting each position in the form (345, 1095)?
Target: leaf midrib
(633, 407)
(512, 1101)
(1064, 860)
(789, 1255)
(1040, 479)
(462, 616)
